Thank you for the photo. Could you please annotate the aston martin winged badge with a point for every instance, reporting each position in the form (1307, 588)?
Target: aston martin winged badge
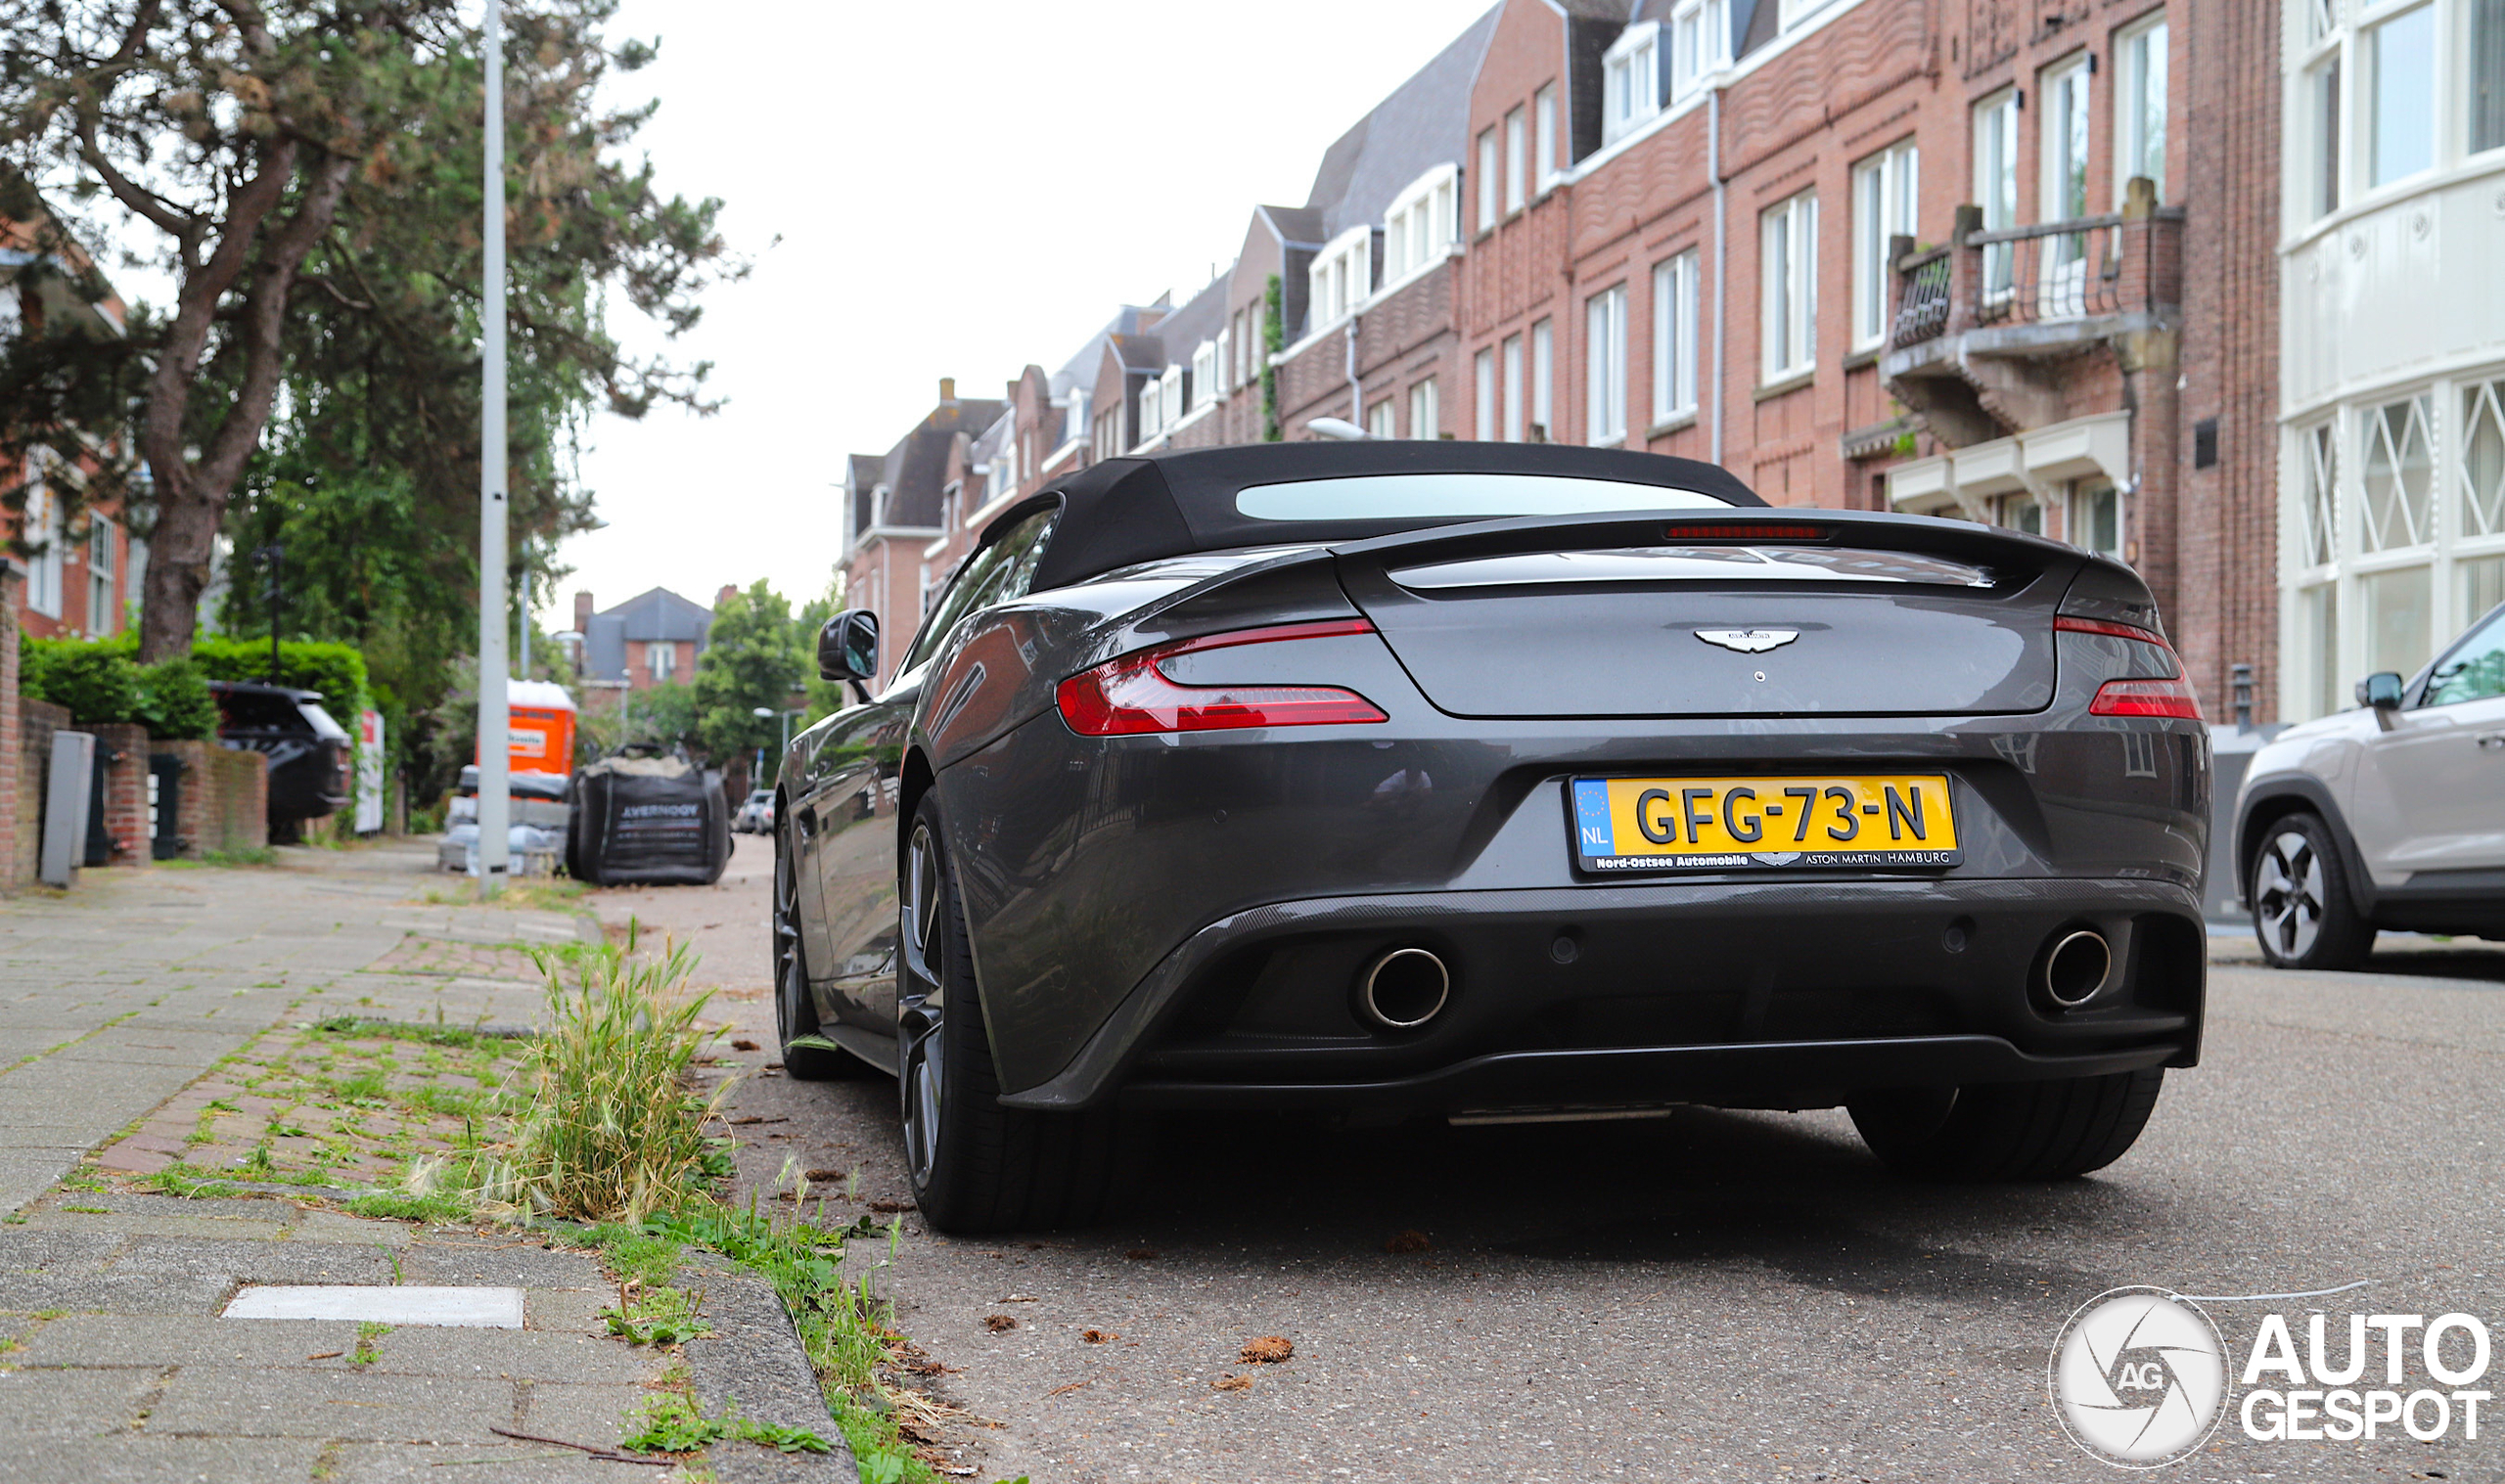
(1749, 641)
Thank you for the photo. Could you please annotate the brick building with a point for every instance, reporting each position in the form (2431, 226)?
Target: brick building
(892, 516)
(83, 568)
(650, 639)
(2007, 260)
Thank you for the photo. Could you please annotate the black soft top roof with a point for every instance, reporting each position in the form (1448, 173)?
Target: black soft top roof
(1121, 512)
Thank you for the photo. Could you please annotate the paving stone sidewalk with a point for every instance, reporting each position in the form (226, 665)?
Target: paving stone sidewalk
(114, 1360)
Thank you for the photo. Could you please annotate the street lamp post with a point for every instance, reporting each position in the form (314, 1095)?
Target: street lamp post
(495, 741)
(763, 712)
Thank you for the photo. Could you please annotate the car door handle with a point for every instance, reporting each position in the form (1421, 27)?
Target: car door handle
(2489, 742)
(807, 820)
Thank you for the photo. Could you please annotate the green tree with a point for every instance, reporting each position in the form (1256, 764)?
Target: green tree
(307, 174)
(754, 659)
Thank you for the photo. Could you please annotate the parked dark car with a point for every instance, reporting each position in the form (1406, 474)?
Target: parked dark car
(308, 751)
(1495, 782)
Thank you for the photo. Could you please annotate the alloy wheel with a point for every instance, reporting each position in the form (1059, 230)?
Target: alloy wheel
(2288, 894)
(789, 979)
(922, 1006)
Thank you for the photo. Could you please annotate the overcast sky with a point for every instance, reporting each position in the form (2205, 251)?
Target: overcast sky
(959, 190)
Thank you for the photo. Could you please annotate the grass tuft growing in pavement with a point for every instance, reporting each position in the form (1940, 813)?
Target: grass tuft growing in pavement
(611, 1126)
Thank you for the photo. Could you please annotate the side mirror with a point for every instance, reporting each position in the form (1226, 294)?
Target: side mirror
(2381, 692)
(848, 647)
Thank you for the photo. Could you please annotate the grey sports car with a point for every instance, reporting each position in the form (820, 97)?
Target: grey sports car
(1495, 782)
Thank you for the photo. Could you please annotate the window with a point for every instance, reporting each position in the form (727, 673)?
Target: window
(1418, 230)
(1517, 162)
(2019, 512)
(1996, 181)
(2486, 100)
(2320, 493)
(1169, 398)
(1379, 420)
(2318, 629)
(2399, 618)
(2063, 196)
(2139, 107)
(1606, 326)
(1486, 180)
(1792, 287)
(1544, 383)
(1675, 307)
(1075, 424)
(1224, 361)
(41, 524)
(1149, 424)
(2397, 477)
(104, 617)
(996, 574)
(1513, 389)
(1483, 371)
(1700, 45)
(1884, 189)
(1205, 375)
(2483, 461)
(2474, 671)
(2322, 101)
(2095, 521)
(1342, 276)
(662, 659)
(1797, 11)
(1543, 109)
(1425, 416)
(1630, 80)
(2401, 107)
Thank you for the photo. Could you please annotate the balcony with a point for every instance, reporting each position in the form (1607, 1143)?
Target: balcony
(1986, 323)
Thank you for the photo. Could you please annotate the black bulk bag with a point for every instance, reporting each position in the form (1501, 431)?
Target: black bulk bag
(641, 817)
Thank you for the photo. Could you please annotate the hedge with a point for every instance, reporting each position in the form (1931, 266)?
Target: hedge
(100, 681)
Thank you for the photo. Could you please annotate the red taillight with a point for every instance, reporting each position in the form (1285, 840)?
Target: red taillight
(1131, 696)
(2145, 698)
(2068, 624)
(1763, 530)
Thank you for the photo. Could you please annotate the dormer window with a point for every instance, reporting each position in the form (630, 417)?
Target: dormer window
(1075, 420)
(1700, 45)
(1420, 226)
(1205, 374)
(1151, 423)
(1341, 278)
(1630, 80)
(1797, 11)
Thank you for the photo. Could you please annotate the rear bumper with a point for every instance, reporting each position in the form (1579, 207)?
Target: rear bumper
(1772, 993)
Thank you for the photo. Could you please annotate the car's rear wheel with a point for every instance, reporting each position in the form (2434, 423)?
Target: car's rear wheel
(796, 1014)
(2302, 910)
(975, 1165)
(2050, 1130)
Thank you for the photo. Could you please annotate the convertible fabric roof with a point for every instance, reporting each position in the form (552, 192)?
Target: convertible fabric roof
(1121, 512)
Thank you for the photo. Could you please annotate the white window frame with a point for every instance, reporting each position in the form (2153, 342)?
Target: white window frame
(1382, 419)
(1149, 421)
(1226, 378)
(1544, 134)
(103, 613)
(1340, 278)
(1487, 180)
(1797, 11)
(1993, 146)
(2369, 45)
(1517, 161)
(1169, 396)
(1700, 45)
(1886, 190)
(1788, 234)
(1675, 302)
(661, 659)
(41, 525)
(2142, 73)
(1514, 390)
(1426, 414)
(2065, 96)
(1630, 80)
(1204, 374)
(1417, 230)
(1543, 381)
(1605, 385)
(1484, 379)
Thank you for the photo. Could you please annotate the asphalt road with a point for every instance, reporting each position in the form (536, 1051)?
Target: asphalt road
(1707, 1295)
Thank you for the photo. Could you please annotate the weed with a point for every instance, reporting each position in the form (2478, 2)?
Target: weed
(670, 1423)
(9, 1345)
(612, 1127)
(655, 1316)
(438, 1209)
(88, 1210)
(367, 1332)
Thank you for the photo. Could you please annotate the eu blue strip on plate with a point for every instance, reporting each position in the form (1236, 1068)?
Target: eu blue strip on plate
(1591, 817)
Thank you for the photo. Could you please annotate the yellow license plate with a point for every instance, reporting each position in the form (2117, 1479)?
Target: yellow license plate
(1696, 824)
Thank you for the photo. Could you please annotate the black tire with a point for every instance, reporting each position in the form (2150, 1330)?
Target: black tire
(796, 1014)
(978, 1167)
(2008, 1130)
(2304, 913)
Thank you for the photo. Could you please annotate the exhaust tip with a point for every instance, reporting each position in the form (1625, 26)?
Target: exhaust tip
(2077, 969)
(1404, 989)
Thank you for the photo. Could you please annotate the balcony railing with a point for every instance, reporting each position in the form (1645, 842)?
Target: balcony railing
(2082, 271)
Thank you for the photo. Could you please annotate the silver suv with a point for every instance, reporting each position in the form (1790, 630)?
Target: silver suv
(2389, 816)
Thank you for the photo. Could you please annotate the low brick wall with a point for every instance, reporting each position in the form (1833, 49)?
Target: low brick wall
(224, 801)
(37, 720)
(122, 750)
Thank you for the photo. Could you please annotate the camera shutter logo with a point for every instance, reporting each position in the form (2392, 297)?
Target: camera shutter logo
(2138, 1377)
